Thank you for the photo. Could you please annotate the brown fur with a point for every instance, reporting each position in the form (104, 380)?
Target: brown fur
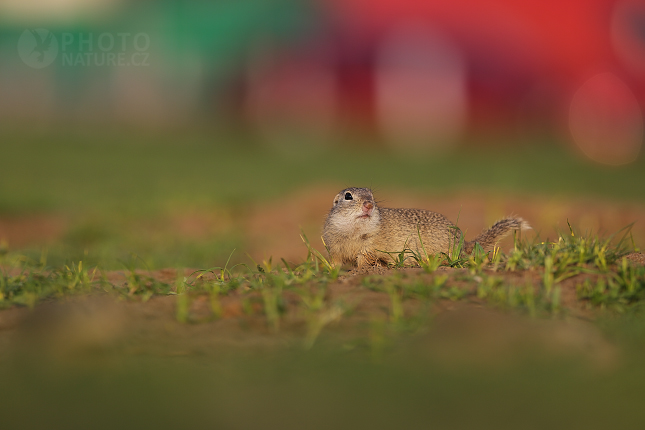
(367, 240)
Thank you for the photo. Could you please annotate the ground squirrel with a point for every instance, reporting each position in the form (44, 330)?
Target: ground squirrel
(357, 231)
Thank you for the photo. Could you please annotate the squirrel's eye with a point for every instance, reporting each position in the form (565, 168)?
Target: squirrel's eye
(348, 196)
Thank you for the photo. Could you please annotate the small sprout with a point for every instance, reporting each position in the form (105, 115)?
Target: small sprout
(182, 308)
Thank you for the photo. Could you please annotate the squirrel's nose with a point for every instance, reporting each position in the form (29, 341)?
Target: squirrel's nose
(368, 205)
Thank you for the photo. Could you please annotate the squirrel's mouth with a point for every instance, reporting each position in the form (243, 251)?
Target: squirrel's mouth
(368, 208)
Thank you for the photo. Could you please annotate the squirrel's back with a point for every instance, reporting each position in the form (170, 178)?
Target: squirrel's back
(401, 228)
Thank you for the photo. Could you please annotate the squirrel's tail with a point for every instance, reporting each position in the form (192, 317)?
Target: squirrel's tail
(498, 231)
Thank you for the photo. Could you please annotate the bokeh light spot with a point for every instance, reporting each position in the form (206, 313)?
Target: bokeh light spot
(606, 121)
(292, 100)
(420, 88)
(628, 35)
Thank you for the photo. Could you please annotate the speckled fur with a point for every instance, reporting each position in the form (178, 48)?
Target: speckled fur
(360, 241)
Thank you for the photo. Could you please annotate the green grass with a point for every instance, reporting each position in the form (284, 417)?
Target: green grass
(142, 174)
(383, 378)
(147, 250)
(340, 369)
(611, 282)
(382, 373)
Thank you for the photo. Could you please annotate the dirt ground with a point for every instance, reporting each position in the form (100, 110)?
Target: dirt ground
(453, 331)
(103, 323)
(273, 228)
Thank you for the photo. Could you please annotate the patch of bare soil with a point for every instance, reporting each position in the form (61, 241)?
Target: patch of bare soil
(33, 229)
(636, 258)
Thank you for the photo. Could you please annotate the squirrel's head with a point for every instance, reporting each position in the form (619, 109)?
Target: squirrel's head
(354, 207)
